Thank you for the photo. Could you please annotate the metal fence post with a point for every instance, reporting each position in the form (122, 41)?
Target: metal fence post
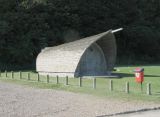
(127, 87)
(94, 83)
(149, 89)
(111, 85)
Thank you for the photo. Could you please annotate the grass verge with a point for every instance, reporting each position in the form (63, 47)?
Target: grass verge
(102, 88)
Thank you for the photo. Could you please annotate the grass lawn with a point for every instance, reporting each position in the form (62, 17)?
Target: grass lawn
(152, 75)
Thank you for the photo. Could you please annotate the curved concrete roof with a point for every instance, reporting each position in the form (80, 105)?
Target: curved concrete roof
(65, 57)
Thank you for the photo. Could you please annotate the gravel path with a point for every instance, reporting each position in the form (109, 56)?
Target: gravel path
(154, 113)
(21, 101)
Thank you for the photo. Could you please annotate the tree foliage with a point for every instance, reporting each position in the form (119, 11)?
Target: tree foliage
(27, 26)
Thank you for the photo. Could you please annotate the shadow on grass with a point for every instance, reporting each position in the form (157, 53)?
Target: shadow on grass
(121, 75)
(138, 65)
(156, 93)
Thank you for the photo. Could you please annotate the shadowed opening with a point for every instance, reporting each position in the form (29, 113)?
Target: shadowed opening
(93, 62)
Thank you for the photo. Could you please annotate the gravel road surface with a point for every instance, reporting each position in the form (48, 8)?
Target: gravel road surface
(154, 113)
(23, 101)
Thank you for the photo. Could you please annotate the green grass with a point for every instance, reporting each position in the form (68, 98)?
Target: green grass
(152, 75)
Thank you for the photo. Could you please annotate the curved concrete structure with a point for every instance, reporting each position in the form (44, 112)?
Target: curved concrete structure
(91, 56)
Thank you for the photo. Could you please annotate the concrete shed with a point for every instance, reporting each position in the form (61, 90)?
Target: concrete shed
(90, 56)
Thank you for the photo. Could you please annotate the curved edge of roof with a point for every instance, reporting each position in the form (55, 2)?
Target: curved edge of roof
(108, 46)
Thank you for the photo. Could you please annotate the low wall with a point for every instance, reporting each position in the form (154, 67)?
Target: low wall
(60, 74)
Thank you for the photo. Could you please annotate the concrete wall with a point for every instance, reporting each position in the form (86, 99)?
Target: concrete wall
(60, 74)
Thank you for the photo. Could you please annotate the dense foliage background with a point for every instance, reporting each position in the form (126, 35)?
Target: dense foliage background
(27, 26)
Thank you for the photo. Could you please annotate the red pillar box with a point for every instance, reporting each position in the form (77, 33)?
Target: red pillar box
(139, 75)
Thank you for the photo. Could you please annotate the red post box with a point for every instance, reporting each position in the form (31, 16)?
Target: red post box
(139, 75)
